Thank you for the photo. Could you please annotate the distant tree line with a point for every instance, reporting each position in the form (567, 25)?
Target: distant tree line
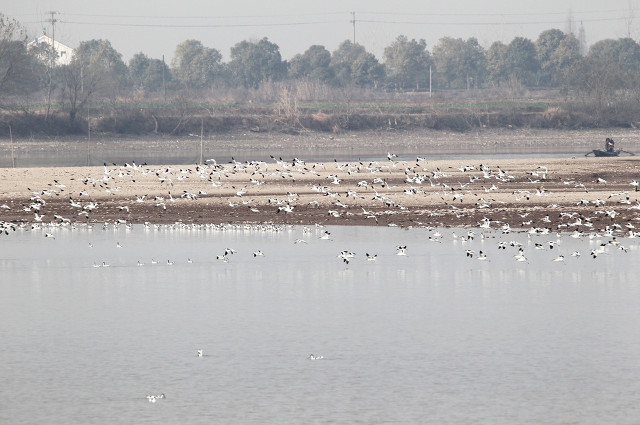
(98, 71)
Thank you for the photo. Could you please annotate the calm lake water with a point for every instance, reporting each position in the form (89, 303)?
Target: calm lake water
(430, 337)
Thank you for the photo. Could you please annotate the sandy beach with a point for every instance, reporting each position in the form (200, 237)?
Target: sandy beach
(572, 194)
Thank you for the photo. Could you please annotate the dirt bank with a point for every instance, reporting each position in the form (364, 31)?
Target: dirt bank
(584, 194)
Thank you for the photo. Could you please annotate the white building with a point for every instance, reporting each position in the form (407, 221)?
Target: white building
(65, 53)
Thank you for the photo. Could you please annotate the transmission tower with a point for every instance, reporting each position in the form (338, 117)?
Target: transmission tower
(353, 21)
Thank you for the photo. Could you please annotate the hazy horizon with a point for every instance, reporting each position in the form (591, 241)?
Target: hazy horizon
(294, 26)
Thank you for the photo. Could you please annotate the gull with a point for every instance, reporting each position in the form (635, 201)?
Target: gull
(401, 250)
(258, 253)
(312, 357)
(346, 256)
(601, 180)
(470, 253)
(371, 257)
(559, 258)
(200, 353)
(62, 219)
(297, 241)
(285, 208)
(38, 217)
(482, 256)
(575, 254)
(520, 256)
(49, 235)
(154, 398)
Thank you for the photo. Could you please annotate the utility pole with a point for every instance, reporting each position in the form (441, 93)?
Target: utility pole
(52, 20)
(89, 135)
(164, 86)
(353, 21)
(13, 158)
(201, 138)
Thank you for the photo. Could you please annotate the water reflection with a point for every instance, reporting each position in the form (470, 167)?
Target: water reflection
(430, 337)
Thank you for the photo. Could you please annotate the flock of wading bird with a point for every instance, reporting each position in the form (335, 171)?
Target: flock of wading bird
(392, 192)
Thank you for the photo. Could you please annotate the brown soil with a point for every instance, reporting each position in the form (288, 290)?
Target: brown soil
(584, 194)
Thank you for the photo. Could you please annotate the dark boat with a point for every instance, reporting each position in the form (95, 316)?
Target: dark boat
(598, 152)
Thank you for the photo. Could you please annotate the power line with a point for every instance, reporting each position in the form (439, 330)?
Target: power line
(598, 12)
(202, 17)
(372, 21)
(119, 24)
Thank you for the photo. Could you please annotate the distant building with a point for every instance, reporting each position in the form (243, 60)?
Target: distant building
(65, 53)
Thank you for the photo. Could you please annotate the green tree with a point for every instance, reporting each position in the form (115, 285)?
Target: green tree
(17, 67)
(366, 71)
(314, 64)
(101, 64)
(146, 73)
(597, 81)
(460, 63)
(97, 70)
(623, 51)
(407, 63)
(556, 52)
(255, 62)
(342, 60)
(520, 60)
(352, 64)
(496, 65)
(197, 66)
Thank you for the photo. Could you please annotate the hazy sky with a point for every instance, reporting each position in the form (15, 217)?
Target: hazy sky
(157, 27)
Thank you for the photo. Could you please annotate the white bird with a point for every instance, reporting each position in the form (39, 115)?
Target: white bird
(312, 357)
(401, 250)
(200, 353)
(258, 253)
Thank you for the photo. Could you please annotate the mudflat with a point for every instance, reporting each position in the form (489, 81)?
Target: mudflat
(569, 194)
